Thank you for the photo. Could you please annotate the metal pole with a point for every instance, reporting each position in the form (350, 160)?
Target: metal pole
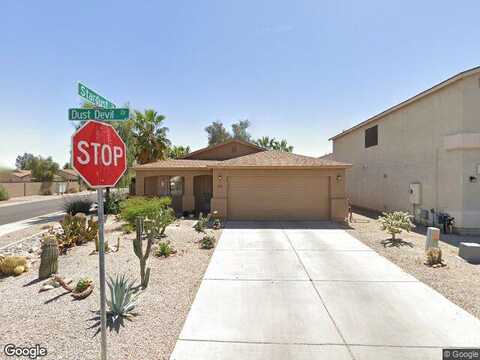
(101, 269)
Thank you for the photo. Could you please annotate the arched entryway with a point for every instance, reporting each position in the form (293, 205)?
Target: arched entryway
(203, 191)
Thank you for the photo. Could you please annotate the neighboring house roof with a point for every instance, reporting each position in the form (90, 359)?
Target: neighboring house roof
(21, 173)
(278, 159)
(211, 147)
(179, 163)
(328, 156)
(68, 174)
(427, 92)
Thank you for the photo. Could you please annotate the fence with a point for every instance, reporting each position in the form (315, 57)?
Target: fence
(18, 189)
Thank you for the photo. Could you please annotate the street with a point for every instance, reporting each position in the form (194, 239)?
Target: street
(23, 211)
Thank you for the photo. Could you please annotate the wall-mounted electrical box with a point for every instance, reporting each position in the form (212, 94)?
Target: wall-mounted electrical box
(415, 193)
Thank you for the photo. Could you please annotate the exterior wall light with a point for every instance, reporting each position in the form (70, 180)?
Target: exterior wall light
(220, 177)
(339, 177)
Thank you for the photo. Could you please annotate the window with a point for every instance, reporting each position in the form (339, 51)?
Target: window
(371, 136)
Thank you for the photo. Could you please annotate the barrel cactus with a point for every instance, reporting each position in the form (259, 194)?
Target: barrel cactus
(48, 257)
(13, 265)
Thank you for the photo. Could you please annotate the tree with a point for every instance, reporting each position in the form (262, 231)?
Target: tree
(239, 130)
(44, 169)
(273, 144)
(217, 133)
(24, 162)
(395, 222)
(176, 152)
(265, 142)
(282, 145)
(151, 142)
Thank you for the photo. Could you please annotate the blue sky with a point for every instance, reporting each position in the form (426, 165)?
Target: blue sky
(300, 70)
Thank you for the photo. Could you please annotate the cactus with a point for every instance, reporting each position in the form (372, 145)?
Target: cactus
(48, 257)
(13, 265)
(138, 249)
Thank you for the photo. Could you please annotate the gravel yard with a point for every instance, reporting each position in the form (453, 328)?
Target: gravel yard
(67, 328)
(459, 281)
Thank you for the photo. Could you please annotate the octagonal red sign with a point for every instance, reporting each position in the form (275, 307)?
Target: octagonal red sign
(99, 154)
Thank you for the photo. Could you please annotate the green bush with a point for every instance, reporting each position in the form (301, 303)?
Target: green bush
(112, 203)
(3, 194)
(164, 249)
(202, 223)
(79, 205)
(208, 242)
(134, 207)
(395, 222)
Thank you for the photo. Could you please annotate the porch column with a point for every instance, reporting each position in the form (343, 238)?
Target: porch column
(188, 198)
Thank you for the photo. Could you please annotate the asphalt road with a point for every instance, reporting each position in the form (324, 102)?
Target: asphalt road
(23, 211)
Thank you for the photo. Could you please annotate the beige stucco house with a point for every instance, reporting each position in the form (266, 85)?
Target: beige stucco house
(422, 155)
(245, 182)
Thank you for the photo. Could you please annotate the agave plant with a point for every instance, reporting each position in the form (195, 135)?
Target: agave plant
(123, 297)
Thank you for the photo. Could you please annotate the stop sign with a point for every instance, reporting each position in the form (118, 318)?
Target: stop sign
(98, 154)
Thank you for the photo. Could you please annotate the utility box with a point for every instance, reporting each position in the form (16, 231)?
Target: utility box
(415, 193)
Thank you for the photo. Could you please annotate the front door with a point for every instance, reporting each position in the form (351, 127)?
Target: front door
(202, 190)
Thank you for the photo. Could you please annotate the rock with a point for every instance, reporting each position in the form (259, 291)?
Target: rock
(46, 287)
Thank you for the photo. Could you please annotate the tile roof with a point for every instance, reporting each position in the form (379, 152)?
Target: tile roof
(210, 147)
(275, 158)
(179, 163)
(271, 158)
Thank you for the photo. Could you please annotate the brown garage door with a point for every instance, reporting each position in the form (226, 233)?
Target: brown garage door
(270, 197)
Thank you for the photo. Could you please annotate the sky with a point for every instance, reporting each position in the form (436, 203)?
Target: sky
(299, 70)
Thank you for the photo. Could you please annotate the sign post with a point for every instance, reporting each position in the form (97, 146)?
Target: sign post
(99, 157)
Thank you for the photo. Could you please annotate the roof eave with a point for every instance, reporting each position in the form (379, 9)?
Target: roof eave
(280, 167)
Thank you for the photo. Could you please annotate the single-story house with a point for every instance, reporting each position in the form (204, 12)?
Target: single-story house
(421, 156)
(242, 181)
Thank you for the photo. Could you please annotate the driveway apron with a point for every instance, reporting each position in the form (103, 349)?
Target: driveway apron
(309, 290)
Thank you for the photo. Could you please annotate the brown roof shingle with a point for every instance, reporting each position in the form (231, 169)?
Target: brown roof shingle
(177, 163)
(275, 158)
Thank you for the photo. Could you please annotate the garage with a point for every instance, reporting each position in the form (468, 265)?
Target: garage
(278, 197)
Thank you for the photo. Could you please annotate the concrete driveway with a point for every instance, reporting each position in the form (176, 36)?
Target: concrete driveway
(309, 290)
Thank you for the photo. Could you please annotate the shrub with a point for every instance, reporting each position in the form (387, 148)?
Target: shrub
(208, 242)
(434, 257)
(395, 222)
(122, 296)
(202, 223)
(134, 207)
(157, 223)
(112, 203)
(76, 231)
(79, 205)
(164, 249)
(3, 194)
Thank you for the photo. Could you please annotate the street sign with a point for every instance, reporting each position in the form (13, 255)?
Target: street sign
(99, 114)
(94, 98)
(98, 154)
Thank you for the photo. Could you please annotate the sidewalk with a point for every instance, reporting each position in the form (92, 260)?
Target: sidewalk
(300, 291)
(37, 198)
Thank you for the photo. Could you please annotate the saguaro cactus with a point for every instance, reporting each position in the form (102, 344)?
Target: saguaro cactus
(138, 249)
(48, 258)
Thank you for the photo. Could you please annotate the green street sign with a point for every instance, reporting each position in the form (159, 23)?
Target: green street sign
(94, 98)
(99, 114)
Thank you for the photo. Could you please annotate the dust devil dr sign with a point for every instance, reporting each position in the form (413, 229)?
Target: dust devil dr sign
(98, 154)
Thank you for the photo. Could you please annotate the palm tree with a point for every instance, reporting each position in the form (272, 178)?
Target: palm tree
(282, 145)
(150, 137)
(176, 152)
(264, 142)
